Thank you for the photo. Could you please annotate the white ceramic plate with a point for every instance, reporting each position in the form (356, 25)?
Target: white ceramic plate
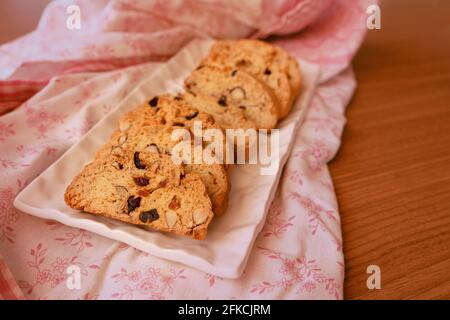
(230, 238)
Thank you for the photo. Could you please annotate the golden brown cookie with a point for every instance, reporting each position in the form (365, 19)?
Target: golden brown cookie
(239, 88)
(143, 188)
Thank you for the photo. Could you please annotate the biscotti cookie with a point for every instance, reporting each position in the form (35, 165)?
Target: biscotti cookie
(166, 110)
(169, 110)
(292, 69)
(158, 139)
(240, 88)
(143, 188)
(227, 116)
(269, 51)
(258, 59)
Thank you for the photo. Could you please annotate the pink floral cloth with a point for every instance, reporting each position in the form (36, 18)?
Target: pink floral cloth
(62, 82)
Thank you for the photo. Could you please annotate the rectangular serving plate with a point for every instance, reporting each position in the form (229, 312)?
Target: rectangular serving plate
(230, 237)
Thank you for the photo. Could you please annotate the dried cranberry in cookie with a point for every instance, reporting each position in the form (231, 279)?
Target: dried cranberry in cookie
(137, 161)
(133, 203)
(153, 102)
(141, 181)
(149, 216)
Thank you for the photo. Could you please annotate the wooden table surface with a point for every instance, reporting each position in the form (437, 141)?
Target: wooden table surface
(392, 173)
(18, 17)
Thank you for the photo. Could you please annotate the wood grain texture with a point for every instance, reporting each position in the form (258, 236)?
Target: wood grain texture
(392, 174)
